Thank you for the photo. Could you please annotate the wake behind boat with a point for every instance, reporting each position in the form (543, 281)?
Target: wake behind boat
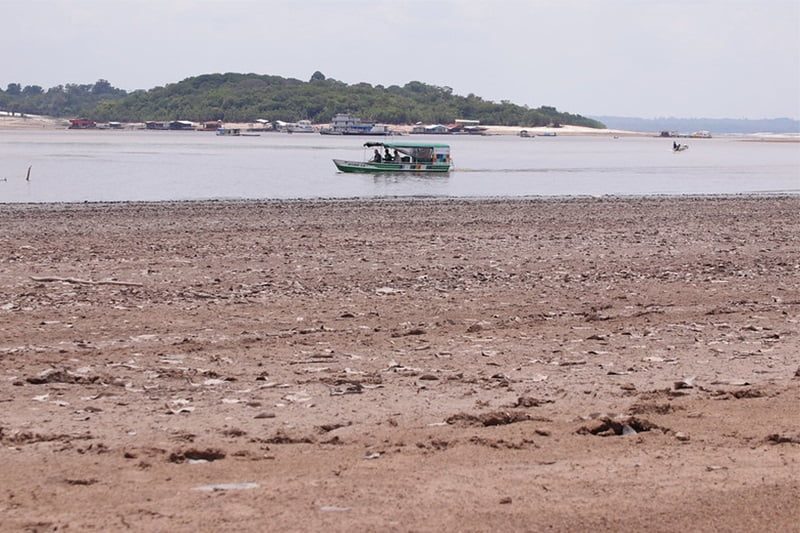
(401, 157)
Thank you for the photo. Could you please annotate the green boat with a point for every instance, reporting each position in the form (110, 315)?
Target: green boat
(402, 157)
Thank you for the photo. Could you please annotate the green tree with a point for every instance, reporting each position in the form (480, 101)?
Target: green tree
(245, 97)
(32, 90)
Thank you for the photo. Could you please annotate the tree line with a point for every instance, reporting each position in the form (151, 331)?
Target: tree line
(234, 97)
(65, 101)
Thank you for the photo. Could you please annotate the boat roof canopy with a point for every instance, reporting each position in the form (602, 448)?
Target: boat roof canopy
(390, 144)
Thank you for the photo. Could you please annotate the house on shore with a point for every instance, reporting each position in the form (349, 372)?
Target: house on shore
(211, 125)
(82, 124)
(180, 125)
(156, 125)
(430, 129)
(472, 127)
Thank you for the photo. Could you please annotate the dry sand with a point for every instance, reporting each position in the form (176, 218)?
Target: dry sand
(443, 365)
(31, 122)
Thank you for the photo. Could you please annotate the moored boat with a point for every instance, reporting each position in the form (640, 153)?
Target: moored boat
(301, 126)
(402, 157)
(676, 147)
(345, 124)
(234, 132)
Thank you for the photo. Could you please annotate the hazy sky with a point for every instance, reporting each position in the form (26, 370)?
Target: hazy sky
(642, 58)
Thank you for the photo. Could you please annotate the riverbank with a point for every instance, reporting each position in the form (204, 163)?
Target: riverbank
(426, 365)
(34, 122)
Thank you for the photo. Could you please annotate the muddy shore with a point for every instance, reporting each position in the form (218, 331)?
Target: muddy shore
(401, 365)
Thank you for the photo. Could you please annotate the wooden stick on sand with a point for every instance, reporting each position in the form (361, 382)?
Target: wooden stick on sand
(87, 281)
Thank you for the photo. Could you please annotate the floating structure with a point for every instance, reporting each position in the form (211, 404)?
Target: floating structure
(177, 125)
(82, 124)
(182, 125)
(235, 132)
(468, 126)
(430, 129)
(156, 125)
(301, 126)
(346, 124)
(696, 135)
(211, 125)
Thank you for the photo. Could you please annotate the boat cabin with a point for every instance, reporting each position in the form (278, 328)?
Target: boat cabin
(415, 153)
(400, 157)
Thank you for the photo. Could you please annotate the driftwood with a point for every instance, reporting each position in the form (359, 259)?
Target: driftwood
(87, 281)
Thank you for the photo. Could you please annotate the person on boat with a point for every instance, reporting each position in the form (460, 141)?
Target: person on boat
(397, 158)
(675, 145)
(386, 155)
(376, 157)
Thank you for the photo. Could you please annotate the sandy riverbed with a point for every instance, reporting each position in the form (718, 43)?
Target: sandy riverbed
(443, 365)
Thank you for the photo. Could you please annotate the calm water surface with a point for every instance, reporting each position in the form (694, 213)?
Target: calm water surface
(77, 166)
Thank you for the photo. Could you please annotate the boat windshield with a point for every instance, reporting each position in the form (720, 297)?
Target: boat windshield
(415, 153)
(423, 155)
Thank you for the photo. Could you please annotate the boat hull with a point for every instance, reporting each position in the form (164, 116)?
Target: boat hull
(370, 167)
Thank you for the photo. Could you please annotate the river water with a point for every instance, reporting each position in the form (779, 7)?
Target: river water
(98, 166)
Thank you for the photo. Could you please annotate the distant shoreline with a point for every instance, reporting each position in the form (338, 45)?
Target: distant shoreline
(34, 122)
(38, 122)
(718, 126)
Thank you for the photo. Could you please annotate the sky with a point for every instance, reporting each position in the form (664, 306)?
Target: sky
(632, 58)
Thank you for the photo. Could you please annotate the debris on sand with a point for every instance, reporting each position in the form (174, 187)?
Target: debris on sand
(496, 418)
(227, 486)
(783, 438)
(624, 425)
(193, 454)
(685, 383)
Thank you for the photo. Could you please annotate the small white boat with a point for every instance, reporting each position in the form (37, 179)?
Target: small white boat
(301, 126)
(677, 147)
(235, 132)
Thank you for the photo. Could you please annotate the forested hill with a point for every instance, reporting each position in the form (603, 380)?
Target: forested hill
(236, 97)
